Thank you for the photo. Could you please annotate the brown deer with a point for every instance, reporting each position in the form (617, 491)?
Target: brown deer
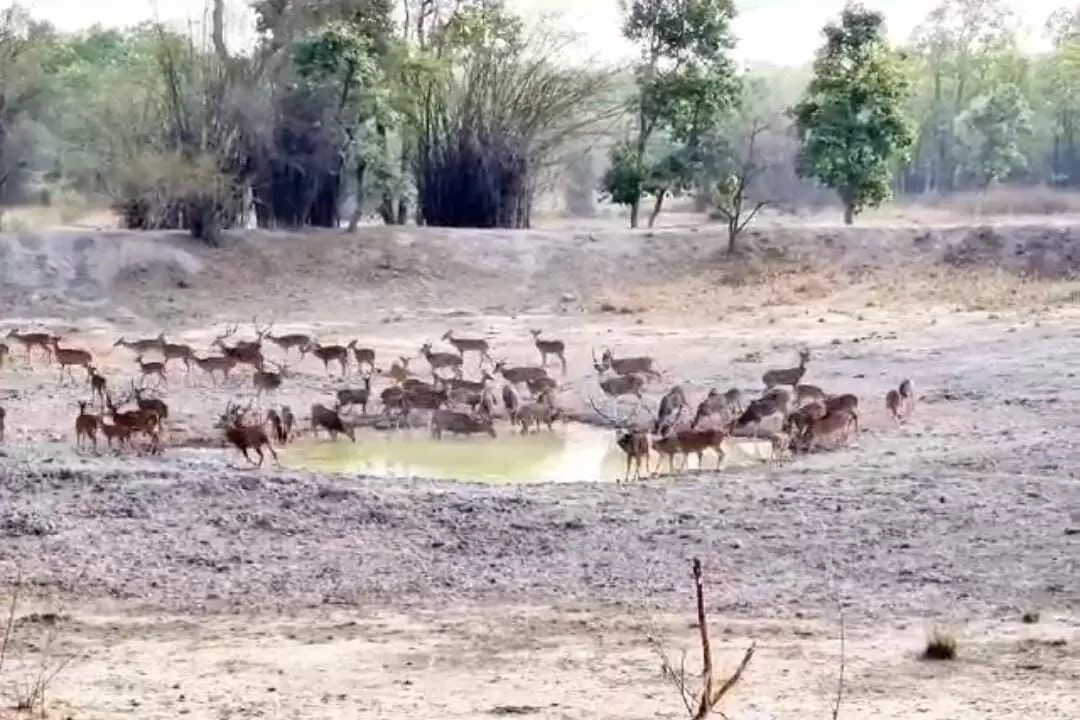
(635, 443)
(245, 437)
(144, 421)
(798, 422)
(268, 381)
(519, 375)
(246, 352)
(363, 356)
(68, 358)
(97, 384)
(330, 353)
(329, 420)
(623, 385)
(86, 427)
(511, 401)
(441, 360)
(488, 402)
(471, 385)
(907, 394)
(288, 421)
(640, 365)
(827, 431)
(399, 370)
(807, 394)
(176, 351)
(536, 413)
(348, 397)
(549, 347)
(893, 404)
(760, 410)
(141, 346)
(276, 427)
(848, 403)
(216, 363)
(787, 376)
(154, 367)
(426, 399)
(698, 441)
(540, 385)
(459, 423)
(29, 341)
(713, 404)
(118, 434)
(292, 341)
(150, 404)
(464, 345)
(671, 407)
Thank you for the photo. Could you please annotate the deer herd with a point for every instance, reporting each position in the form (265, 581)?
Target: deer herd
(803, 417)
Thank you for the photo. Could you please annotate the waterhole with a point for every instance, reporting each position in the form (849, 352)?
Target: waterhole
(571, 453)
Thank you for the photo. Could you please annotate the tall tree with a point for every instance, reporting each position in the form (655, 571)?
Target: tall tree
(850, 123)
(685, 82)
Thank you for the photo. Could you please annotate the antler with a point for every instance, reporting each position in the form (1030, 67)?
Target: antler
(616, 422)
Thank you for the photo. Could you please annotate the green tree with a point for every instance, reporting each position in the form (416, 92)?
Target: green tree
(992, 131)
(685, 82)
(849, 122)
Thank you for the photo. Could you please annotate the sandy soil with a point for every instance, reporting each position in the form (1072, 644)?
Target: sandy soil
(184, 585)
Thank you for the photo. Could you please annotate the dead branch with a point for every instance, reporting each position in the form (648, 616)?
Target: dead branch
(710, 695)
(840, 676)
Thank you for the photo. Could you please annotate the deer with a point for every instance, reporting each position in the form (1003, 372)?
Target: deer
(288, 422)
(641, 365)
(623, 385)
(893, 404)
(759, 410)
(362, 355)
(440, 360)
(330, 353)
(540, 385)
(460, 423)
(713, 404)
(298, 341)
(269, 381)
(154, 367)
(848, 403)
(86, 427)
(535, 413)
(511, 401)
(471, 385)
(907, 394)
(780, 444)
(426, 399)
(149, 404)
(695, 441)
(807, 394)
(329, 420)
(29, 341)
(787, 376)
(141, 346)
(245, 437)
(175, 351)
(70, 357)
(4, 352)
(826, 430)
(97, 384)
(519, 375)
(358, 396)
(144, 421)
(274, 420)
(120, 434)
(399, 370)
(797, 423)
(634, 443)
(464, 345)
(247, 352)
(671, 407)
(214, 363)
(488, 402)
(549, 347)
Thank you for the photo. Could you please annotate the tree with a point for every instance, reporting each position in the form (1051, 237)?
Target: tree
(685, 82)
(849, 122)
(991, 131)
(733, 201)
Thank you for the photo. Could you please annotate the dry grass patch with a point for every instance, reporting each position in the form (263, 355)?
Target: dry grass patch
(940, 646)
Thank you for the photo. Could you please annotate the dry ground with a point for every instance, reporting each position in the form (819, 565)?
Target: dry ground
(186, 586)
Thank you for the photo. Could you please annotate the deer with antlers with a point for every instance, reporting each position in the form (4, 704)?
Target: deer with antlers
(463, 345)
(635, 443)
(640, 365)
(29, 341)
(441, 360)
(553, 347)
(245, 437)
(68, 358)
(245, 352)
(144, 421)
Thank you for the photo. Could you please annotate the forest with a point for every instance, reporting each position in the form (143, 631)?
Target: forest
(461, 113)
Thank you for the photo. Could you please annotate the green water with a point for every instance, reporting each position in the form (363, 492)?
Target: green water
(572, 453)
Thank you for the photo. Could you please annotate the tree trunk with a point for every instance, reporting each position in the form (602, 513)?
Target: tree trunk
(732, 234)
(635, 207)
(358, 213)
(849, 213)
(656, 207)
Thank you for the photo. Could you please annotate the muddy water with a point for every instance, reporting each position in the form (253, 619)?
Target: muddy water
(572, 453)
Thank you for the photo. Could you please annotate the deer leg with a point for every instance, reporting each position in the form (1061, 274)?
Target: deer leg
(259, 452)
(629, 458)
(273, 454)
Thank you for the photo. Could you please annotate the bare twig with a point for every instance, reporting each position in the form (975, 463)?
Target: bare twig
(9, 623)
(840, 676)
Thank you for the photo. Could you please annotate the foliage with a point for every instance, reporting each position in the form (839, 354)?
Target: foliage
(850, 121)
(685, 83)
(991, 131)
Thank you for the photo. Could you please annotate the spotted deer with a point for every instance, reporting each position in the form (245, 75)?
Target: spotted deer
(549, 347)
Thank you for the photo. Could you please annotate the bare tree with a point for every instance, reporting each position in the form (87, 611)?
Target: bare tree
(733, 201)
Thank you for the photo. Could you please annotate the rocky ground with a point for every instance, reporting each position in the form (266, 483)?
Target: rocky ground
(181, 581)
